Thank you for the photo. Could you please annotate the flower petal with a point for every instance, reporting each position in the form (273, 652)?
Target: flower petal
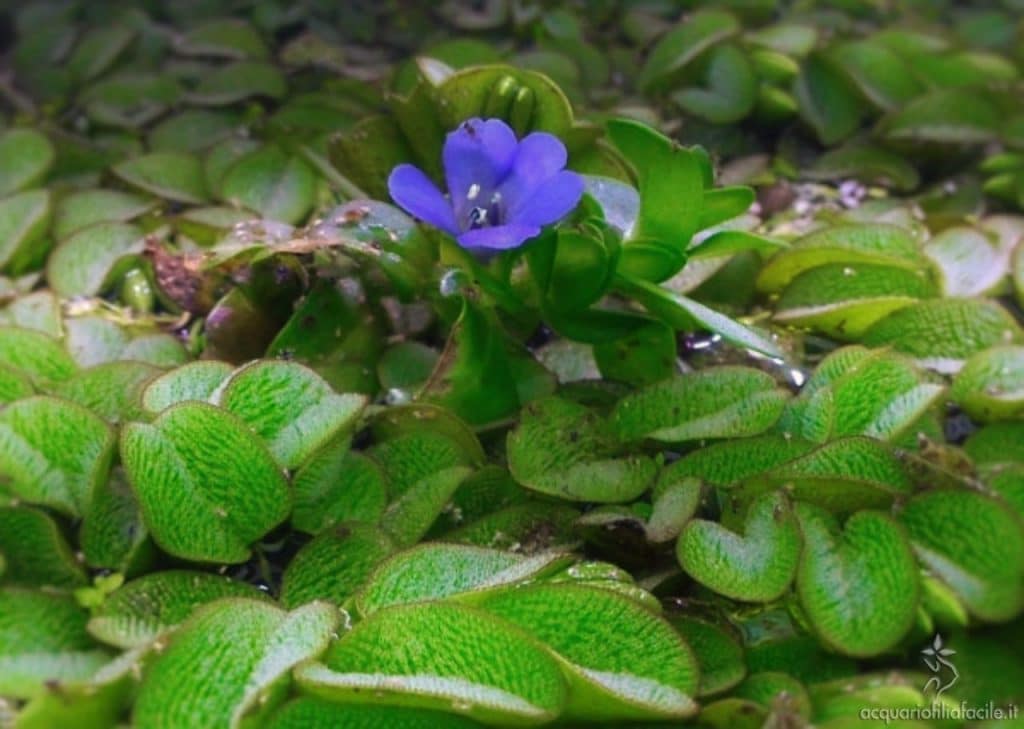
(480, 152)
(498, 238)
(418, 195)
(548, 202)
(540, 155)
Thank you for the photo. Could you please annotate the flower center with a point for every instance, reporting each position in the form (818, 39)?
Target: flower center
(484, 215)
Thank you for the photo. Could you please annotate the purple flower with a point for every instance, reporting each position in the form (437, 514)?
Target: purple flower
(501, 190)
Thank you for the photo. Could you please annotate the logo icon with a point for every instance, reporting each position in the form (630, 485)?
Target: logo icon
(936, 657)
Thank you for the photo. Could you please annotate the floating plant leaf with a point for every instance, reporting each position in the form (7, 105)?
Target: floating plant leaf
(185, 467)
(27, 155)
(24, 219)
(442, 656)
(869, 564)
(43, 639)
(941, 334)
(144, 609)
(563, 449)
(715, 403)
(434, 571)
(844, 300)
(35, 550)
(991, 384)
(54, 452)
(755, 567)
(289, 406)
(252, 645)
(335, 565)
(624, 663)
(974, 545)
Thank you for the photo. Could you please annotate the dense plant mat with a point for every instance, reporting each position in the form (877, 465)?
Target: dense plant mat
(509, 363)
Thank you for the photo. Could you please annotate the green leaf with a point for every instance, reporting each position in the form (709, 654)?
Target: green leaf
(878, 73)
(882, 396)
(719, 655)
(755, 567)
(410, 455)
(944, 116)
(98, 49)
(671, 56)
(110, 390)
(730, 89)
(940, 334)
(997, 443)
(671, 186)
(572, 268)
(80, 265)
(730, 462)
(974, 545)
(532, 525)
(991, 384)
(192, 130)
(36, 552)
(43, 641)
(222, 38)
(130, 99)
(334, 565)
(24, 219)
(844, 300)
(685, 314)
(272, 184)
(248, 645)
(842, 476)
(238, 81)
(185, 468)
(144, 609)
(674, 501)
(113, 535)
(409, 517)
(791, 39)
(406, 366)
(473, 377)
(27, 156)
(443, 656)
(851, 243)
(37, 356)
(175, 176)
(96, 701)
(314, 713)
(859, 586)
(289, 406)
(645, 356)
(529, 102)
(435, 571)
(721, 402)
(969, 264)
(84, 208)
(193, 381)
(866, 162)
(337, 485)
(623, 662)
(724, 203)
(53, 452)
(827, 101)
(39, 310)
(563, 449)
(13, 385)
(769, 688)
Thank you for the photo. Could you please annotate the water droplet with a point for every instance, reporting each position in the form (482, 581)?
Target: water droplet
(397, 396)
(452, 283)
